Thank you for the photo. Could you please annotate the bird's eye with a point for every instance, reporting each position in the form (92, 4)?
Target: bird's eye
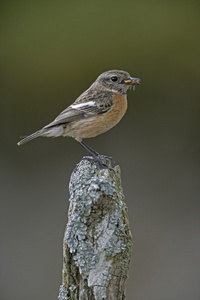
(114, 78)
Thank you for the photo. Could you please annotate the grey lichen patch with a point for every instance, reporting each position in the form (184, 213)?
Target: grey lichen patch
(97, 238)
(63, 293)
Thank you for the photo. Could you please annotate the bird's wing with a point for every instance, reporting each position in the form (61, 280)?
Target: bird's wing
(76, 111)
(80, 111)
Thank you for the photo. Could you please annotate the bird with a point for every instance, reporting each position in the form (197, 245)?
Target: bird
(94, 112)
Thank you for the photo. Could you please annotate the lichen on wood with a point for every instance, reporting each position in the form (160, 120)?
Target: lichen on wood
(97, 241)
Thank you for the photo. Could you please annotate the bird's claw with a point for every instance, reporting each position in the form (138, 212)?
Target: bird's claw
(100, 164)
(103, 165)
(107, 157)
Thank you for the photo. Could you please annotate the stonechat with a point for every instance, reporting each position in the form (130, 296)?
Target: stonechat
(95, 111)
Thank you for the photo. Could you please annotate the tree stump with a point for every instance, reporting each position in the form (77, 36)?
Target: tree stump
(97, 241)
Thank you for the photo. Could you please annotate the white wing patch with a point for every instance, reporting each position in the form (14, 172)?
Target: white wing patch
(84, 106)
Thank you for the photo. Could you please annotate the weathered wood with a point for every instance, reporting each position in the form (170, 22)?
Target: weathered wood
(97, 241)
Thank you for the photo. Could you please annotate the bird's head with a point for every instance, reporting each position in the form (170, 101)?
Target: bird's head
(117, 80)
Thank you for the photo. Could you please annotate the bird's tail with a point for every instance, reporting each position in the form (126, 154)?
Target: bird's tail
(31, 137)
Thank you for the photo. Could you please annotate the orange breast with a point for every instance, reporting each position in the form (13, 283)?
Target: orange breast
(91, 127)
(118, 109)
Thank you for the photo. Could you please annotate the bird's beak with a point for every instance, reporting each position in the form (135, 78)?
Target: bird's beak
(132, 81)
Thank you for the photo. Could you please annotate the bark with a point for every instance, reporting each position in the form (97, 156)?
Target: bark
(97, 241)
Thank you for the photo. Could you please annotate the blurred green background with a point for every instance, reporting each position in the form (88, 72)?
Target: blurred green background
(51, 51)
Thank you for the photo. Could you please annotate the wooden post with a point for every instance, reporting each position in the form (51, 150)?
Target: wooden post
(97, 241)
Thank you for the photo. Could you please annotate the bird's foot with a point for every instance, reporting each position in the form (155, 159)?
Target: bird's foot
(103, 162)
(107, 157)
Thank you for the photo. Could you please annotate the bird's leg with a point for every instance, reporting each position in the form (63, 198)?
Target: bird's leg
(89, 149)
(96, 155)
